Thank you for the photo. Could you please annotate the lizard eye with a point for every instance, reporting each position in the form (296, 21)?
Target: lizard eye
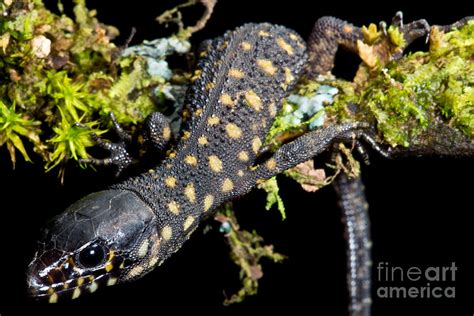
(92, 256)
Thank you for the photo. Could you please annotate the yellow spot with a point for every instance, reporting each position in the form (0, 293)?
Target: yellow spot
(213, 120)
(53, 298)
(255, 127)
(166, 133)
(111, 281)
(236, 73)
(136, 271)
(256, 144)
(80, 281)
(226, 99)
(205, 51)
(243, 156)
(173, 207)
(188, 222)
(190, 192)
(223, 45)
(172, 154)
(271, 164)
(209, 86)
(186, 135)
(264, 33)
(246, 45)
(227, 185)
(202, 140)
(233, 131)
(170, 182)
(208, 201)
(215, 163)
(240, 173)
(93, 287)
(167, 232)
(285, 46)
(76, 293)
(198, 112)
(142, 250)
(153, 262)
(347, 28)
(288, 76)
(267, 66)
(293, 37)
(272, 109)
(190, 160)
(253, 100)
(196, 75)
(109, 266)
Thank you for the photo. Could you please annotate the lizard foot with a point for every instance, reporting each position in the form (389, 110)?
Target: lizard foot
(119, 153)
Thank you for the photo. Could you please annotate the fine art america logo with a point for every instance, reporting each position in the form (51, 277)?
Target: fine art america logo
(417, 282)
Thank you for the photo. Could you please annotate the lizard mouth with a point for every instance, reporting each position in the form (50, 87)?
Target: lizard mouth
(54, 275)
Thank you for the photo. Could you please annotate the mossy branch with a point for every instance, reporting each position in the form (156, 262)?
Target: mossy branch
(246, 252)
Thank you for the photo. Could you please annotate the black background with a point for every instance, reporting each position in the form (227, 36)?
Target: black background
(421, 208)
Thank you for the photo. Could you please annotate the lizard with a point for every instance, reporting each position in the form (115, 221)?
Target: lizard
(125, 231)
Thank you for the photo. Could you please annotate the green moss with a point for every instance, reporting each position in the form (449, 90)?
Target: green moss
(396, 37)
(59, 70)
(70, 142)
(404, 97)
(14, 126)
(273, 197)
(371, 34)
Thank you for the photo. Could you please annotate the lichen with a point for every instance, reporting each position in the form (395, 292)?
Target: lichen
(301, 112)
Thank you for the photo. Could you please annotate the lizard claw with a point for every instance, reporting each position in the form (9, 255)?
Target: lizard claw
(119, 154)
(412, 30)
(383, 27)
(397, 19)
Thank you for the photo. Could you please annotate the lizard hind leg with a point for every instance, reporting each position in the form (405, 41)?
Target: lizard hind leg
(327, 35)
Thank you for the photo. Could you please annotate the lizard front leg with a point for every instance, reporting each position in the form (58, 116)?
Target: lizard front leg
(156, 135)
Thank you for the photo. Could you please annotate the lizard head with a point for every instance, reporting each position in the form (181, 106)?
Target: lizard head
(103, 239)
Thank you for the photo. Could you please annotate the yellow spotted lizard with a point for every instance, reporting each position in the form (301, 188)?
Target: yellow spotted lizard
(123, 232)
